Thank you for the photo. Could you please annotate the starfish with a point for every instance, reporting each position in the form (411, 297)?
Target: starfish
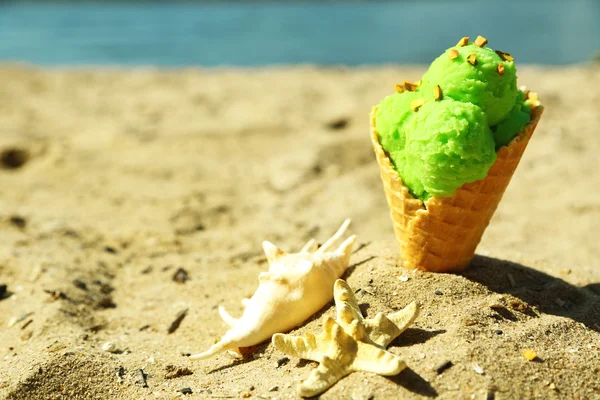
(349, 343)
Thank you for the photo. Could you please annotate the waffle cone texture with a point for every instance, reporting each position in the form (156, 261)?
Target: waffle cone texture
(441, 235)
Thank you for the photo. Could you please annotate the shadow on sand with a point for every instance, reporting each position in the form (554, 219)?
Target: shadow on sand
(548, 294)
(413, 382)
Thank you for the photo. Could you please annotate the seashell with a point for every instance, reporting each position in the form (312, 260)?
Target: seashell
(296, 286)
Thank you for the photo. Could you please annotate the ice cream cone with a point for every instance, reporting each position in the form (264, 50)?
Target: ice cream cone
(441, 235)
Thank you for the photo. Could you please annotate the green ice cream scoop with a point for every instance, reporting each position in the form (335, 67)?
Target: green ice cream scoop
(514, 122)
(391, 115)
(445, 144)
(473, 74)
(444, 132)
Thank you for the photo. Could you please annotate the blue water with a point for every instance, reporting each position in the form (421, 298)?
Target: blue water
(265, 33)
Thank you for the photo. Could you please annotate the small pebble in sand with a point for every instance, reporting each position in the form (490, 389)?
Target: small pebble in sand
(80, 284)
(141, 378)
(111, 249)
(529, 354)
(109, 347)
(55, 295)
(338, 123)
(403, 278)
(106, 302)
(13, 157)
(172, 371)
(120, 374)
(273, 388)
(565, 271)
(181, 276)
(26, 324)
(282, 361)
(186, 390)
(3, 291)
(18, 221)
(498, 332)
(441, 367)
(177, 321)
(438, 292)
(478, 369)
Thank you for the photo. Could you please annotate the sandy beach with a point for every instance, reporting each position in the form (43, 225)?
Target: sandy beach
(128, 196)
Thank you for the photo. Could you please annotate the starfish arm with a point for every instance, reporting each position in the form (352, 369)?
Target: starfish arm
(323, 377)
(405, 317)
(384, 329)
(373, 359)
(357, 331)
(298, 346)
(346, 304)
(381, 330)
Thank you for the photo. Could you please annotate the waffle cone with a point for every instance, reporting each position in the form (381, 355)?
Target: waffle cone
(441, 235)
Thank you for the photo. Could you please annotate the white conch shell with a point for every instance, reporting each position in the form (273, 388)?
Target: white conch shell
(295, 287)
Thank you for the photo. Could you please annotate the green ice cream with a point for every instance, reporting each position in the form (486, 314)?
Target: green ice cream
(447, 143)
(480, 84)
(393, 112)
(445, 133)
(514, 122)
